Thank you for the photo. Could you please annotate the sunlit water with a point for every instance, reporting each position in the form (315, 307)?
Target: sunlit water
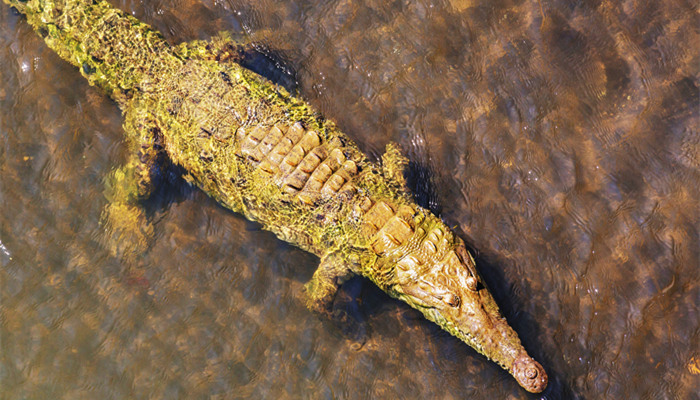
(560, 138)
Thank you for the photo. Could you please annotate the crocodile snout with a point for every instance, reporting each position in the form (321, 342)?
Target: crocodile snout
(530, 374)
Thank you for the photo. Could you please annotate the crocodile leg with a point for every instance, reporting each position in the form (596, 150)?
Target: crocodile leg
(394, 165)
(323, 286)
(321, 293)
(225, 49)
(128, 229)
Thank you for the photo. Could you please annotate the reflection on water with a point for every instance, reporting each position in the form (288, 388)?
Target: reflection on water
(561, 139)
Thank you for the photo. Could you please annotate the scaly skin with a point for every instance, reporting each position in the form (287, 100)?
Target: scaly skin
(266, 154)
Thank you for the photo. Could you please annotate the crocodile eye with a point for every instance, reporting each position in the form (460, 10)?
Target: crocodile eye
(472, 283)
(452, 300)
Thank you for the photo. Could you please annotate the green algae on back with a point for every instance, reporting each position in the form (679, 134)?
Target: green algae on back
(268, 155)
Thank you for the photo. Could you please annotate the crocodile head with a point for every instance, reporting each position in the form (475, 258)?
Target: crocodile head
(450, 293)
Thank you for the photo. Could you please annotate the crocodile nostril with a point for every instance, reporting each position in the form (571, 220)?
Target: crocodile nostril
(531, 373)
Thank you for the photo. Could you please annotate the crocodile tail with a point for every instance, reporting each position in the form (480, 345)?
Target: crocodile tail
(113, 50)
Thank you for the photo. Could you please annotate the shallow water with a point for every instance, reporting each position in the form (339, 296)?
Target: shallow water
(561, 139)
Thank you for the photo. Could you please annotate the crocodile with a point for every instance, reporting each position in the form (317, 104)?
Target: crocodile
(268, 155)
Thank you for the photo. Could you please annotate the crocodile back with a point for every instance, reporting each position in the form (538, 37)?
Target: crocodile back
(257, 149)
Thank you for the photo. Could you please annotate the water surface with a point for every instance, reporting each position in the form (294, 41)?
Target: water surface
(561, 139)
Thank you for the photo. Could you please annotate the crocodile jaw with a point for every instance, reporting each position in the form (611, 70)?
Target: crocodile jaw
(453, 295)
(478, 322)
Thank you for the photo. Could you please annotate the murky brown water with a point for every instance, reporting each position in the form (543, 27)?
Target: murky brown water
(561, 138)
